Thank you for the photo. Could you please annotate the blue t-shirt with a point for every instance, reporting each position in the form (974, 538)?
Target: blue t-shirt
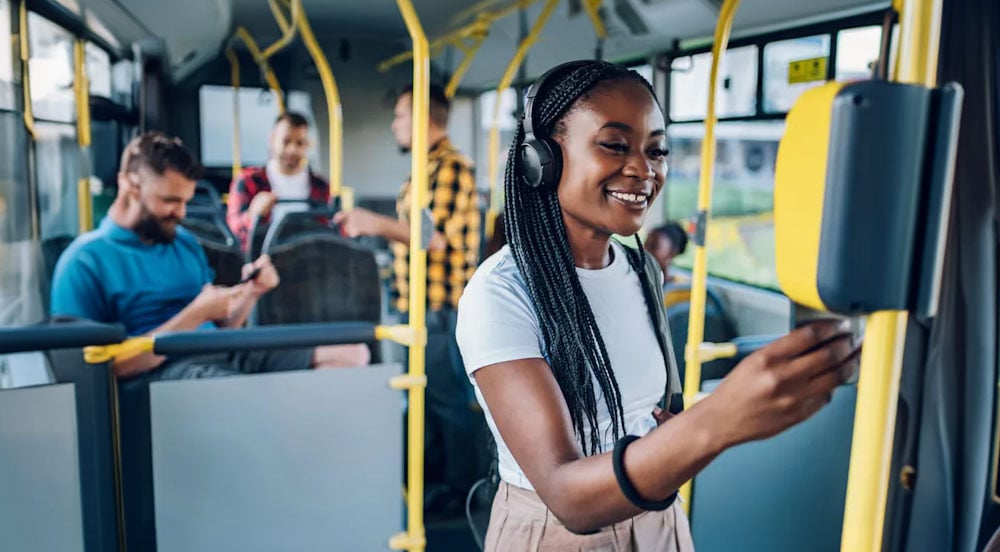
(109, 275)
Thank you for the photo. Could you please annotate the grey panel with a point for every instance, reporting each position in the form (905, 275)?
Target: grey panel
(39, 470)
(784, 494)
(291, 461)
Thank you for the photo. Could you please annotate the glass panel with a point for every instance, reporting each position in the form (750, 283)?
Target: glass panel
(51, 67)
(741, 231)
(20, 262)
(737, 89)
(7, 96)
(258, 110)
(857, 52)
(122, 77)
(646, 71)
(507, 125)
(779, 94)
(57, 167)
(98, 71)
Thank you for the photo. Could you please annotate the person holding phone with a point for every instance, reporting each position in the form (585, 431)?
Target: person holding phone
(141, 269)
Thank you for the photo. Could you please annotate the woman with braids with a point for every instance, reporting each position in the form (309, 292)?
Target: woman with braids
(564, 336)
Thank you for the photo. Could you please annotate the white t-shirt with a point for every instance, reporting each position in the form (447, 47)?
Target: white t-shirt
(287, 187)
(498, 323)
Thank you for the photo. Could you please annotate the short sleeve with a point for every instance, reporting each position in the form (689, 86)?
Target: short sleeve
(496, 322)
(77, 291)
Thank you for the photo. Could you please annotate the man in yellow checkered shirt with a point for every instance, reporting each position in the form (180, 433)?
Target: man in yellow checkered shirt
(453, 427)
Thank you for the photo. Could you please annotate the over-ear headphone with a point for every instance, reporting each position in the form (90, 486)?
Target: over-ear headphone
(541, 156)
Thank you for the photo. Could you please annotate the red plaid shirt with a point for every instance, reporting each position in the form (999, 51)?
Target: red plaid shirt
(252, 181)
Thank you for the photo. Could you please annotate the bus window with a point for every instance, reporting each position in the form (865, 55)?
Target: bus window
(857, 52)
(258, 111)
(122, 77)
(98, 71)
(51, 67)
(57, 171)
(737, 79)
(741, 233)
(7, 95)
(779, 93)
(507, 125)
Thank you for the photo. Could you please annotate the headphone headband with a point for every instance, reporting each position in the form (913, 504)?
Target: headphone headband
(542, 81)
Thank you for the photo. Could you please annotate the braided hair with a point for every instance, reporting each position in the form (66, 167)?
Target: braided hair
(537, 237)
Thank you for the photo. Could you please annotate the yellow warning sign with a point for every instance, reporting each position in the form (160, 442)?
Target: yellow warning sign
(807, 70)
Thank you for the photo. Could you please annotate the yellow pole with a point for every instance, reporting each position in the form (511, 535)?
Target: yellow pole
(885, 334)
(414, 539)
(699, 276)
(463, 68)
(505, 82)
(81, 88)
(29, 114)
(269, 76)
(288, 31)
(595, 18)
(234, 77)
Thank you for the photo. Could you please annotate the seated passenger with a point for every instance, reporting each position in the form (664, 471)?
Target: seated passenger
(286, 177)
(666, 242)
(144, 271)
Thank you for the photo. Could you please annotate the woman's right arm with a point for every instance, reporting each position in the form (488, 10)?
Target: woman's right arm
(768, 392)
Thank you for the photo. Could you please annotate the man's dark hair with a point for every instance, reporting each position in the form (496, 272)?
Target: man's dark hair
(159, 153)
(675, 233)
(294, 119)
(440, 104)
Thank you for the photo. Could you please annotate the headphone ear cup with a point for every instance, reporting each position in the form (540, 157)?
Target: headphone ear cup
(541, 163)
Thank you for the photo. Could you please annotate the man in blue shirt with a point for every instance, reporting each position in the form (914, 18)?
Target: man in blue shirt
(141, 269)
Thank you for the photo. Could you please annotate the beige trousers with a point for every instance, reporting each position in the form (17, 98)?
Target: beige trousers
(520, 522)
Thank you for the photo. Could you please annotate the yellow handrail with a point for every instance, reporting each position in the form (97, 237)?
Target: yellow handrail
(414, 539)
(595, 18)
(699, 276)
(81, 89)
(505, 82)
(29, 112)
(269, 76)
(234, 77)
(455, 37)
(478, 33)
(288, 31)
(885, 332)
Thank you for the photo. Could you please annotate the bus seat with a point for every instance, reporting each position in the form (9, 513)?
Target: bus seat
(798, 477)
(52, 249)
(718, 329)
(223, 253)
(324, 278)
(308, 460)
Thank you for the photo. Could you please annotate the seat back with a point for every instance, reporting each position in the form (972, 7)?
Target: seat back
(223, 253)
(324, 278)
(718, 329)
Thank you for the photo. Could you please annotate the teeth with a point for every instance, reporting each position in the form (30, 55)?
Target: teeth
(631, 198)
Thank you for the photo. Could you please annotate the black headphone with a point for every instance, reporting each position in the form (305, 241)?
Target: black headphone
(541, 157)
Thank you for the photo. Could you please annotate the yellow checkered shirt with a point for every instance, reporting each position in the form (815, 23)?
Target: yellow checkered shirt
(456, 215)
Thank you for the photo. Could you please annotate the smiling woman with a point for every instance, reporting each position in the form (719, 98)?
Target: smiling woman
(564, 335)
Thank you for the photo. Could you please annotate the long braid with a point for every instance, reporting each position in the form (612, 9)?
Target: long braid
(536, 233)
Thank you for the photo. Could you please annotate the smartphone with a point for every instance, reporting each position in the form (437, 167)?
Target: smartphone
(250, 277)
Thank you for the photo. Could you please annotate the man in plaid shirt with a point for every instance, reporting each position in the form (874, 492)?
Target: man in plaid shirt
(255, 193)
(453, 424)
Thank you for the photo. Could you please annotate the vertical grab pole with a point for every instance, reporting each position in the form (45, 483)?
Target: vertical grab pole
(234, 77)
(505, 82)
(81, 86)
(699, 276)
(885, 332)
(414, 539)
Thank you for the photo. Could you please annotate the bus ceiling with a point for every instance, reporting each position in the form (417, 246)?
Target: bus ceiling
(194, 32)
